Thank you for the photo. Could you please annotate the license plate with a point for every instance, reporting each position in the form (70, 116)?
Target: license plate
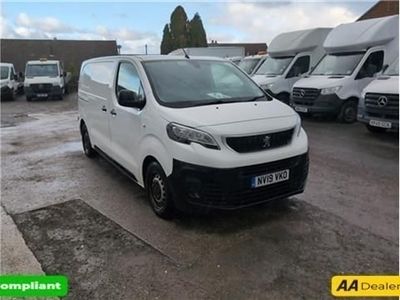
(270, 178)
(381, 124)
(42, 95)
(301, 109)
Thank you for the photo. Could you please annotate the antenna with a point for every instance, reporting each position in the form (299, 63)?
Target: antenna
(186, 55)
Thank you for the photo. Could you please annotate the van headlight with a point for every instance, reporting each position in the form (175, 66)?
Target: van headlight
(330, 90)
(187, 135)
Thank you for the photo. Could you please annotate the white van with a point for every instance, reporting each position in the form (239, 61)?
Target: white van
(8, 81)
(356, 52)
(292, 54)
(194, 132)
(379, 105)
(250, 64)
(45, 79)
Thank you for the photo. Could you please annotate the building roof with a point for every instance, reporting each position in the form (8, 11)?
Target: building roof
(382, 8)
(249, 48)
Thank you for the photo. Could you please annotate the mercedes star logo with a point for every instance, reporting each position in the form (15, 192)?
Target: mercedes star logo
(382, 101)
(266, 142)
(302, 93)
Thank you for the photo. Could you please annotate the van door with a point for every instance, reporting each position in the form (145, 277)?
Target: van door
(95, 96)
(125, 122)
(371, 66)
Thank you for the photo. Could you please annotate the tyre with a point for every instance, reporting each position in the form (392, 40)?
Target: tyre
(87, 145)
(374, 129)
(348, 112)
(158, 192)
(28, 98)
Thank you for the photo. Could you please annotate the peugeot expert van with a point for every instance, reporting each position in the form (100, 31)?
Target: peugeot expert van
(9, 81)
(356, 53)
(45, 79)
(194, 132)
(379, 105)
(291, 55)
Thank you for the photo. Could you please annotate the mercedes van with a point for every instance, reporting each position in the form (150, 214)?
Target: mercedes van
(379, 105)
(8, 81)
(194, 132)
(45, 79)
(356, 53)
(291, 55)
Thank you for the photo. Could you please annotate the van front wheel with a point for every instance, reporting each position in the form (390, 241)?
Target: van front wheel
(87, 145)
(158, 192)
(348, 112)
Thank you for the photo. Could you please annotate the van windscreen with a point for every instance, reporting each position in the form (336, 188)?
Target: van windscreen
(338, 64)
(186, 83)
(38, 70)
(274, 66)
(4, 72)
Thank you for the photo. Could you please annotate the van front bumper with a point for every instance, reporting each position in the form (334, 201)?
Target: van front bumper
(365, 116)
(43, 90)
(196, 186)
(322, 104)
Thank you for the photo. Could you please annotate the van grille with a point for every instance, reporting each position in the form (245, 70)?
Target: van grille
(41, 87)
(382, 105)
(305, 96)
(260, 142)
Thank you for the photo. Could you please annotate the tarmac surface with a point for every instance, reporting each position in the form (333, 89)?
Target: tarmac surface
(345, 222)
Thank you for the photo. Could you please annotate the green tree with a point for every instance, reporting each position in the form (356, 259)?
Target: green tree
(181, 33)
(166, 43)
(198, 37)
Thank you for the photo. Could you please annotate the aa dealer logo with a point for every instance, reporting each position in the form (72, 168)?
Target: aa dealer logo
(365, 286)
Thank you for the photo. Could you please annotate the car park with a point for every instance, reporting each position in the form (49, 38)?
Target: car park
(45, 79)
(292, 54)
(379, 105)
(356, 53)
(214, 141)
(250, 64)
(9, 81)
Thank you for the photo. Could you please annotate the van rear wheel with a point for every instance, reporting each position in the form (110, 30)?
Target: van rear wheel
(87, 145)
(158, 191)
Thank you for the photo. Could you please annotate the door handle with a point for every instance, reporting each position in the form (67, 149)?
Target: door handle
(113, 112)
(104, 108)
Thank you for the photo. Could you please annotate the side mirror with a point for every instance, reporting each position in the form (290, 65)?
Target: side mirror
(15, 77)
(64, 73)
(130, 99)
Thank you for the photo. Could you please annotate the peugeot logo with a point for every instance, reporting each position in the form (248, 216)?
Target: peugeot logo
(266, 142)
(302, 93)
(382, 101)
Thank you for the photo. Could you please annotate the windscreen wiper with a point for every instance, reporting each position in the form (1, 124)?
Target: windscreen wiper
(257, 97)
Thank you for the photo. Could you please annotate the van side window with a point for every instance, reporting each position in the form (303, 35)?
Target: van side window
(128, 79)
(301, 66)
(98, 73)
(372, 65)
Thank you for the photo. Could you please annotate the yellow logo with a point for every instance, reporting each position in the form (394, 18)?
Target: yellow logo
(365, 286)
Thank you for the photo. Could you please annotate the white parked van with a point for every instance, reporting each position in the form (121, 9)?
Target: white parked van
(356, 52)
(292, 54)
(45, 79)
(379, 105)
(8, 81)
(194, 132)
(250, 64)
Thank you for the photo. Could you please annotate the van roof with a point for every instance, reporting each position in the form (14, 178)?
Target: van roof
(361, 35)
(44, 61)
(6, 65)
(293, 42)
(155, 57)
